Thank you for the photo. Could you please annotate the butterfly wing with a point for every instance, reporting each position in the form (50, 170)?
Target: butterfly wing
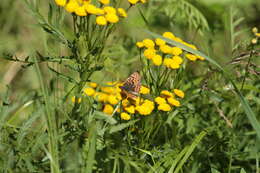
(132, 85)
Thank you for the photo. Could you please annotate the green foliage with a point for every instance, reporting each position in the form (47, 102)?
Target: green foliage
(47, 57)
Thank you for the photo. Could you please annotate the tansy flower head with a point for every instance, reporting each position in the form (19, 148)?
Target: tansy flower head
(167, 62)
(93, 84)
(112, 99)
(176, 51)
(159, 42)
(112, 18)
(121, 12)
(71, 6)
(140, 44)
(149, 53)
(80, 11)
(191, 57)
(177, 59)
(105, 2)
(166, 93)
(130, 109)
(160, 100)
(179, 93)
(108, 109)
(133, 1)
(144, 90)
(173, 102)
(166, 49)
(164, 107)
(254, 30)
(109, 10)
(148, 43)
(89, 91)
(168, 35)
(125, 116)
(157, 60)
(101, 20)
(74, 100)
(61, 2)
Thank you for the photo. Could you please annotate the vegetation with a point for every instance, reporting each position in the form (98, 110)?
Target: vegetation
(129, 86)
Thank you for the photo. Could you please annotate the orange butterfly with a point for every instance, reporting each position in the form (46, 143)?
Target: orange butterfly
(131, 86)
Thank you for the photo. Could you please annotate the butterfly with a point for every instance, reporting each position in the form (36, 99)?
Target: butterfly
(131, 86)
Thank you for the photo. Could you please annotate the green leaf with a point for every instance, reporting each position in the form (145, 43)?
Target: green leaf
(105, 117)
(122, 126)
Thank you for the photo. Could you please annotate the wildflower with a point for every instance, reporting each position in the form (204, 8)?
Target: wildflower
(168, 35)
(159, 42)
(112, 18)
(93, 84)
(144, 90)
(125, 116)
(89, 91)
(160, 100)
(200, 57)
(176, 51)
(179, 93)
(125, 103)
(140, 44)
(166, 49)
(130, 109)
(105, 2)
(112, 99)
(254, 30)
(191, 57)
(167, 62)
(149, 53)
(146, 108)
(122, 12)
(73, 99)
(164, 107)
(254, 41)
(166, 93)
(157, 60)
(80, 11)
(107, 90)
(174, 65)
(101, 20)
(108, 109)
(61, 2)
(148, 43)
(257, 34)
(177, 59)
(109, 10)
(173, 102)
(143, 1)
(90, 8)
(132, 1)
(71, 6)
(101, 97)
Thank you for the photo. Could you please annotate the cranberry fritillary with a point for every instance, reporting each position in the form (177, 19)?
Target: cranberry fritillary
(131, 86)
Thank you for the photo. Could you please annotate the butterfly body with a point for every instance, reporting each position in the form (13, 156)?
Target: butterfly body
(131, 86)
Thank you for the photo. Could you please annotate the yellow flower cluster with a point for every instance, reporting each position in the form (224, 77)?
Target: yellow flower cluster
(104, 14)
(110, 96)
(257, 35)
(160, 53)
(167, 99)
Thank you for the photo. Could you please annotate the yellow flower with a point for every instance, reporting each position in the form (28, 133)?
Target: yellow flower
(61, 2)
(160, 100)
(157, 60)
(166, 93)
(191, 57)
(192, 46)
(101, 97)
(159, 42)
(140, 44)
(176, 51)
(254, 41)
(130, 109)
(80, 11)
(109, 10)
(108, 109)
(133, 1)
(177, 59)
(149, 53)
(125, 103)
(90, 8)
(101, 20)
(89, 91)
(254, 30)
(125, 116)
(107, 90)
(166, 49)
(143, 1)
(257, 34)
(112, 99)
(168, 35)
(105, 2)
(144, 90)
(167, 62)
(71, 6)
(173, 102)
(122, 12)
(174, 65)
(99, 11)
(93, 84)
(73, 99)
(148, 43)
(200, 57)
(112, 18)
(144, 109)
(179, 93)
(164, 107)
